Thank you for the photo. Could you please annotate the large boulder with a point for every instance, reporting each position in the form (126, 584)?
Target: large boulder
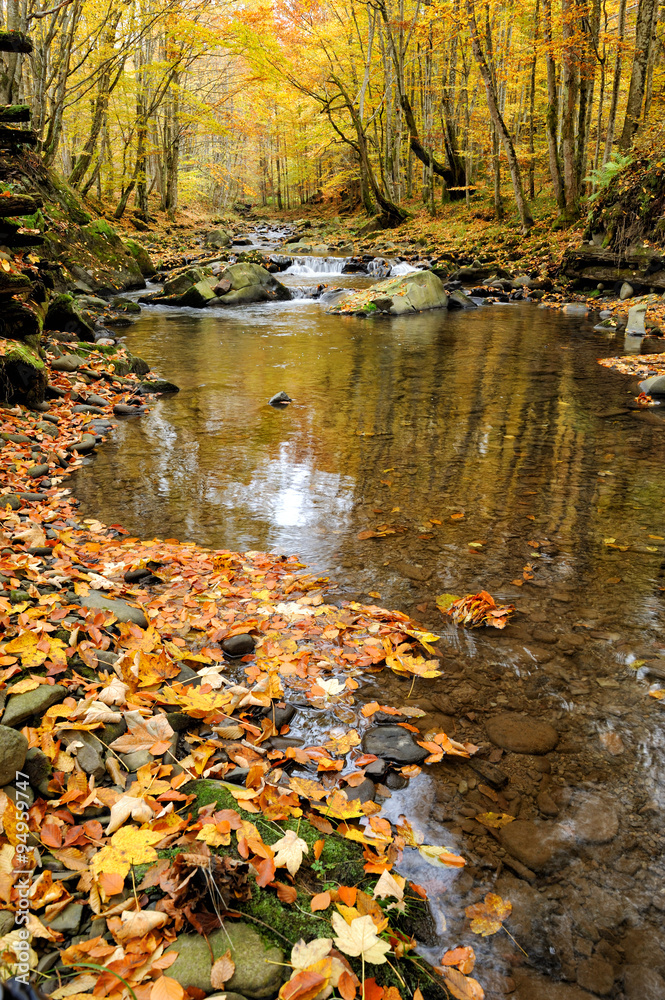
(65, 315)
(22, 373)
(249, 283)
(408, 293)
(653, 386)
(142, 258)
(258, 972)
(181, 282)
(218, 238)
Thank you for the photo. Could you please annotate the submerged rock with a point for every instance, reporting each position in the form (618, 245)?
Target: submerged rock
(521, 734)
(408, 293)
(393, 743)
(280, 399)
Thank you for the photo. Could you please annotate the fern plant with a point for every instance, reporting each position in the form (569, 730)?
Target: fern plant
(601, 177)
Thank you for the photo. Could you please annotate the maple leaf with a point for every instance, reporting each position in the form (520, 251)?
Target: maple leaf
(359, 939)
(494, 820)
(152, 734)
(222, 970)
(463, 958)
(487, 917)
(441, 856)
(289, 851)
(127, 847)
(391, 885)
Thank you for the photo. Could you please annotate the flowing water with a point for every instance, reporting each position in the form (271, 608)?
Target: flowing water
(488, 450)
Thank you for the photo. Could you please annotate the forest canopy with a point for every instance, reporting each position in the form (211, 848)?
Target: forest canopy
(156, 104)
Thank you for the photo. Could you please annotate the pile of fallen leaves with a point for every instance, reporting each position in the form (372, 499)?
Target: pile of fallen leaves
(637, 365)
(474, 610)
(197, 687)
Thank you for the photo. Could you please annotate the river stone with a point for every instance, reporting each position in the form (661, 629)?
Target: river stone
(21, 706)
(642, 983)
(653, 386)
(596, 974)
(181, 282)
(596, 820)
(138, 758)
(536, 845)
(123, 612)
(88, 441)
(364, 792)
(534, 987)
(67, 921)
(627, 291)
(13, 750)
(198, 296)
(251, 283)
(254, 976)
(226, 996)
(36, 765)
(393, 743)
(89, 756)
(415, 292)
(521, 734)
(66, 363)
(239, 645)
(218, 238)
(158, 385)
(635, 324)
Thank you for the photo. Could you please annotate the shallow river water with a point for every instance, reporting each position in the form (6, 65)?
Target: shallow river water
(488, 450)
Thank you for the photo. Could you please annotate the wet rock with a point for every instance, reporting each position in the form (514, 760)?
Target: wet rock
(88, 441)
(490, 773)
(521, 734)
(653, 386)
(137, 759)
(257, 973)
(21, 706)
(644, 946)
(643, 983)
(251, 283)
(123, 612)
(377, 769)
(395, 781)
(158, 385)
(410, 293)
(534, 987)
(125, 410)
(595, 974)
(627, 291)
(36, 471)
(67, 363)
(36, 765)
(596, 820)
(280, 399)
(536, 845)
(13, 750)
(89, 756)
(239, 645)
(364, 792)
(68, 920)
(457, 299)
(393, 743)
(218, 238)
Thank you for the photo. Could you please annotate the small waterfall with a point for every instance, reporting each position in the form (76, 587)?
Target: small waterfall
(402, 268)
(317, 265)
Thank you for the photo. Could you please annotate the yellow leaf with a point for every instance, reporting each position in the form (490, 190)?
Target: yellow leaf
(128, 847)
(494, 820)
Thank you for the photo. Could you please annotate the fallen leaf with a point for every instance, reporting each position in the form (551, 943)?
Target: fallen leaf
(222, 970)
(166, 988)
(487, 917)
(463, 987)
(289, 851)
(359, 938)
(320, 902)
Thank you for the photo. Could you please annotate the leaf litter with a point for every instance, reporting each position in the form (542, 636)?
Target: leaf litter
(170, 695)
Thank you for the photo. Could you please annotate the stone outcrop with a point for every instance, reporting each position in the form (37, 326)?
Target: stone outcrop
(409, 293)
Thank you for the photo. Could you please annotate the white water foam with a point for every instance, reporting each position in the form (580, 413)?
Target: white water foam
(317, 265)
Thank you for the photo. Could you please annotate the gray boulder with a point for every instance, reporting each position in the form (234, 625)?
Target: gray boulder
(653, 386)
(179, 283)
(249, 283)
(123, 612)
(255, 974)
(198, 296)
(218, 239)
(408, 293)
(13, 750)
(21, 706)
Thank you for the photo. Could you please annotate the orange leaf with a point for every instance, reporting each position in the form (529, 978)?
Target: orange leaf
(285, 893)
(348, 893)
(462, 987)
(487, 917)
(372, 990)
(320, 902)
(317, 847)
(463, 958)
(166, 988)
(346, 986)
(304, 986)
(111, 883)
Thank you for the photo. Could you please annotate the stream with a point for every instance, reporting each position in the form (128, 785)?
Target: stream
(487, 450)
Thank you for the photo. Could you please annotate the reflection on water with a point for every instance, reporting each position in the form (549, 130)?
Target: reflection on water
(499, 415)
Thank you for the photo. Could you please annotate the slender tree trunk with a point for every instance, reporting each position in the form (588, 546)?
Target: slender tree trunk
(499, 124)
(570, 81)
(532, 106)
(646, 12)
(616, 83)
(552, 117)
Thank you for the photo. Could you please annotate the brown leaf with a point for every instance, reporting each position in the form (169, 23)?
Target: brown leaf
(320, 902)
(285, 893)
(303, 986)
(222, 971)
(462, 987)
(487, 917)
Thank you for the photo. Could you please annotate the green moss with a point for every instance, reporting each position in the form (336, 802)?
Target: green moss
(14, 350)
(103, 228)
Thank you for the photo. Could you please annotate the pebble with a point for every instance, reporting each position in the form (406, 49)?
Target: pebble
(596, 821)
(364, 792)
(536, 845)
(521, 734)
(393, 743)
(13, 751)
(239, 645)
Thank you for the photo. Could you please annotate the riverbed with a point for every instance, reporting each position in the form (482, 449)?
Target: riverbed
(480, 449)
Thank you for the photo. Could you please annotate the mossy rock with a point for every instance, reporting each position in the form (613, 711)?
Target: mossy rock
(142, 258)
(64, 315)
(22, 373)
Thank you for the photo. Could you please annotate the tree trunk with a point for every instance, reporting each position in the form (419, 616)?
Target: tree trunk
(570, 81)
(551, 117)
(497, 119)
(616, 82)
(646, 12)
